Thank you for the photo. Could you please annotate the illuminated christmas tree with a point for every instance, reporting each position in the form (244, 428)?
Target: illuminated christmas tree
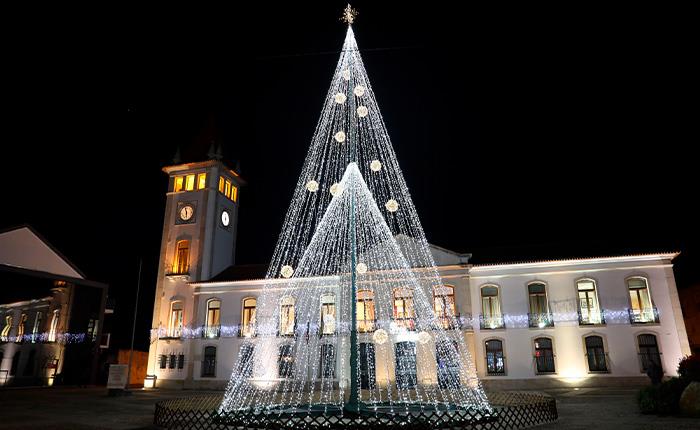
(347, 320)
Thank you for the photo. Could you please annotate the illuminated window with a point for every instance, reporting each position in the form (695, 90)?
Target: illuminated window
(595, 354)
(404, 313)
(37, 325)
(201, 181)
(93, 324)
(444, 305)
(365, 311)
(544, 355)
(221, 184)
(179, 182)
(54, 325)
(328, 314)
(21, 328)
(189, 182)
(209, 362)
(589, 311)
(182, 257)
(287, 322)
(495, 360)
(641, 310)
(327, 361)
(649, 354)
(176, 319)
(539, 307)
(285, 362)
(227, 189)
(6, 330)
(491, 317)
(234, 192)
(213, 327)
(248, 317)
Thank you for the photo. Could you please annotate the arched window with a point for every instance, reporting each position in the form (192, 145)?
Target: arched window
(328, 314)
(595, 354)
(539, 315)
(37, 326)
(181, 263)
(404, 313)
(177, 310)
(245, 360)
(209, 362)
(649, 354)
(491, 317)
(641, 308)
(55, 319)
(248, 317)
(367, 366)
(285, 362)
(447, 356)
(406, 373)
(6, 330)
(327, 361)
(495, 360)
(21, 328)
(287, 316)
(213, 327)
(544, 355)
(589, 311)
(365, 311)
(444, 306)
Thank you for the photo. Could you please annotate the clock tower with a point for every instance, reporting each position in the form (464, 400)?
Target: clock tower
(199, 241)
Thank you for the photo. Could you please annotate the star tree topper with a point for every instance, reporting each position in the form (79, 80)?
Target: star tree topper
(349, 14)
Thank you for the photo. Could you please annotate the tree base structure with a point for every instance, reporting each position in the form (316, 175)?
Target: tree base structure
(510, 410)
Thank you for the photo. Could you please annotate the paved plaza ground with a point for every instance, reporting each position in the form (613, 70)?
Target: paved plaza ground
(90, 409)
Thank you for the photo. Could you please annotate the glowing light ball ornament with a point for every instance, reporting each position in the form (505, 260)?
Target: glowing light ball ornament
(392, 205)
(380, 336)
(287, 271)
(375, 165)
(340, 98)
(336, 189)
(361, 268)
(346, 74)
(359, 91)
(362, 111)
(312, 186)
(424, 337)
(340, 136)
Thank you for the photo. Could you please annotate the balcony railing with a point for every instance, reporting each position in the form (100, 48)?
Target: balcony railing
(247, 330)
(407, 323)
(450, 323)
(540, 320)
(644, 316)
(491, 322)
(591, 317)
(211, 331)
(366, 326)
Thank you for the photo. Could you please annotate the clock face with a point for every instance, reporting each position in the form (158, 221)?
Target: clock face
(225, 218)
(186, 212)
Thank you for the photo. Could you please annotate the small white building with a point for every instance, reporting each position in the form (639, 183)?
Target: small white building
(580, 322)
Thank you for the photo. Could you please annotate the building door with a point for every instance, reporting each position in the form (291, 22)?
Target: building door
(367, 363)
(406, 373)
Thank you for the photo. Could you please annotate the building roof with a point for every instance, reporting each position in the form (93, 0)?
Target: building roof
(203, 164)
(577, 260)
(244, 272)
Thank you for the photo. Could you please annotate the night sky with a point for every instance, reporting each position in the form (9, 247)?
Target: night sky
(522, 134)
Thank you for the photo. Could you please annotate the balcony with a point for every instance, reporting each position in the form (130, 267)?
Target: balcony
(406, 323)
(644, 316)
(366, 326)
(211, 331)
(491, 322)
(591, 317)
(450, 323)
(540, 320)
(247, 330)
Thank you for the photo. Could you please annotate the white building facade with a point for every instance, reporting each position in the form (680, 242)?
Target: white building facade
(582, 322)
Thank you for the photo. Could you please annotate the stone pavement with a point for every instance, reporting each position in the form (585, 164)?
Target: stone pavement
(90, 409)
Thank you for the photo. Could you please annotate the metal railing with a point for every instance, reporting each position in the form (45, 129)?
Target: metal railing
(211, 331)
(591, 317)
(540, 320)
(491, 322)
(644, 316)
(407, 323)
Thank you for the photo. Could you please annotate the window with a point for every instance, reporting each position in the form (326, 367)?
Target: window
(163, 362)
(544, 355)
(30, 364)
(189, 182)
(221, 184)
(234, 192)
(595, 354)
(285, 362)
(649, 354)
(6, 330)
(367, 365)
(178, 184)
(21, 328)
(539, 308)
(37, 326)
(176, 319)
(227, 189)
(201, 181)
(491, 317)
(245, 360)
(248, 317)
(173, 361)
(404, 313)
(328, 314)
(444, 306)
(287, 322)
(641, 310)
(54, 325)
(588, 310)
(495, 360)
(365, 311)
(182, 256)
(181, 361)
(327, 361)
(405, 353)
(93, 324)
(213, 326)
(447, 355)
(15, 363)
